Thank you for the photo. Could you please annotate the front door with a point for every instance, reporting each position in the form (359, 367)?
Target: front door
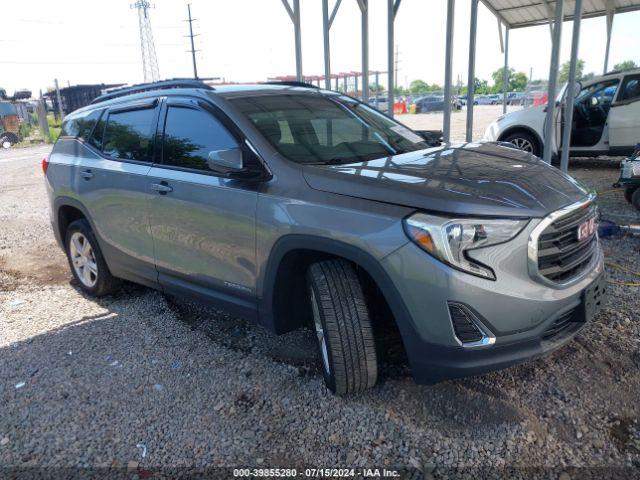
(624, 118)
(203, 225)
(590, 113)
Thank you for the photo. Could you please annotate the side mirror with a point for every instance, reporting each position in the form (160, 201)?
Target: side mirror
(226, 161)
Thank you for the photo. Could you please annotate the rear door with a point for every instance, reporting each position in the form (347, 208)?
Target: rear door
(111, 183)
(203, 224)
(624, 116)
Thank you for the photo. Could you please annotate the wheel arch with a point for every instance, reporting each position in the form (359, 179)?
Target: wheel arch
(284, 309)
(67, 210)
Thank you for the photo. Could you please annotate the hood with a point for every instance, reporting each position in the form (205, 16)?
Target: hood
(485, 179)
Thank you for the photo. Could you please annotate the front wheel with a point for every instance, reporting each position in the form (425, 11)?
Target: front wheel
(524, 141)
(343, 328)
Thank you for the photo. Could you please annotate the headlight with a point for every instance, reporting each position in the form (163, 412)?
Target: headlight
(449, 240)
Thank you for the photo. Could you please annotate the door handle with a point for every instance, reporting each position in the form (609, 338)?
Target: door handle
(86, 174)
(162, 188)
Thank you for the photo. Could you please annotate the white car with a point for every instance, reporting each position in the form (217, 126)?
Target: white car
(606, 119)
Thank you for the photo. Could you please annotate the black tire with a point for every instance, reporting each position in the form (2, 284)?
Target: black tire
(526, 137)
(105, 283)
(338, 302)
(635, 199)
(628, 193)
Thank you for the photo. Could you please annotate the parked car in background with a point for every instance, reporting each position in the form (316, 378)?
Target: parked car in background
(515, 98)
(486, 100)
(606, 119)
(296, 206)
(429, 103)
(380, 102)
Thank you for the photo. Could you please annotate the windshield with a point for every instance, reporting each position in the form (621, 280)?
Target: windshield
(318, 129)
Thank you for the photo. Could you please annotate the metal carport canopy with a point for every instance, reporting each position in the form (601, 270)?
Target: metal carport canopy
(528, 13)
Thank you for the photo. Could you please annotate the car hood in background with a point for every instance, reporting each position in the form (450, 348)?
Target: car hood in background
(468, 179)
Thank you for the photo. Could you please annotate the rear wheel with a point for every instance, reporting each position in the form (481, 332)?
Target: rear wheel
(343, 327)
(524, 141)
(635, 199)
(628, 193)
(86, 260)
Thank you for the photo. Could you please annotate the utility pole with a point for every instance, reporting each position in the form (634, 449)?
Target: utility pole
(59, 99)
(191, 35)
(395, 81)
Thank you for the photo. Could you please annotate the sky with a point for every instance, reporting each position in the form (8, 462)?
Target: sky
(90, 41)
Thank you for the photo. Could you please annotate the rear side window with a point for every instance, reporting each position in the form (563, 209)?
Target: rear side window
(190, 135)
(128, 134)
(80, 126)
(630, 88)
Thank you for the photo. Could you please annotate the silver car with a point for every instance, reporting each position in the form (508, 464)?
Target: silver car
(296, 206)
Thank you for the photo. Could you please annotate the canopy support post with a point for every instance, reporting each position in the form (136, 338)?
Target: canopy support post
(610, 16)
(448, 61)
(472, 69)
(505, 86)
(549, 126)
(570, 95)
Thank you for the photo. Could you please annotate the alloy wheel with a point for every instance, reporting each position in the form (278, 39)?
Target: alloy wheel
(83, 260)
(523, 144)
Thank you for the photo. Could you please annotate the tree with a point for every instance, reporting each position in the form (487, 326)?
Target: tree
(626, 65)
(376, 88)
(564, 70)
(418, 86)
(480, 87)
(518, 82)
(588, 76)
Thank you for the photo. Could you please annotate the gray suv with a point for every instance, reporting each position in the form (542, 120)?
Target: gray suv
(295, 206)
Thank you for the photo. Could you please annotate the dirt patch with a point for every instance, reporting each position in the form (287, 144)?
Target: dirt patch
(48, 266)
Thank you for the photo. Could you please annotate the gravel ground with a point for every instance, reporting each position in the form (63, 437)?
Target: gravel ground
(142, 381)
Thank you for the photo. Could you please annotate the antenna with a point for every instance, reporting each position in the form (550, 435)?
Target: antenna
(191, 35)
(149, 59)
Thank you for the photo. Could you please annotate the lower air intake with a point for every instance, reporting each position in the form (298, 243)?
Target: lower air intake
(464, 326)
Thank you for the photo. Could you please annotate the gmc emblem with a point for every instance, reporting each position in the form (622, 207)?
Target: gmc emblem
(586, 229)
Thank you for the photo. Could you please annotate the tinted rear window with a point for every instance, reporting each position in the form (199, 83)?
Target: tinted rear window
(128, 134)
(81, 126)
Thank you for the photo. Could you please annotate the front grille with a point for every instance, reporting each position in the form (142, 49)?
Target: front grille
(561, 324)
(465, 329)
(561, 256)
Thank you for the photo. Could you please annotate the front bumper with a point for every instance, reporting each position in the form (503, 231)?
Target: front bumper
(517, 310)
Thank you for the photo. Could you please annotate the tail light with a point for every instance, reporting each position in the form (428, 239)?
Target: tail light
(45, 164)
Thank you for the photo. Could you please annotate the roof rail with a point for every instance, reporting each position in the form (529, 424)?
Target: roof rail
(291, 83)
(146, 87)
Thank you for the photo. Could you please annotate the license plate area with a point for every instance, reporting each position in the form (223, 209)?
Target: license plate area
(594, 298)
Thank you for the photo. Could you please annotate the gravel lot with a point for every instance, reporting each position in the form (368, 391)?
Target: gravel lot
(142, 381)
